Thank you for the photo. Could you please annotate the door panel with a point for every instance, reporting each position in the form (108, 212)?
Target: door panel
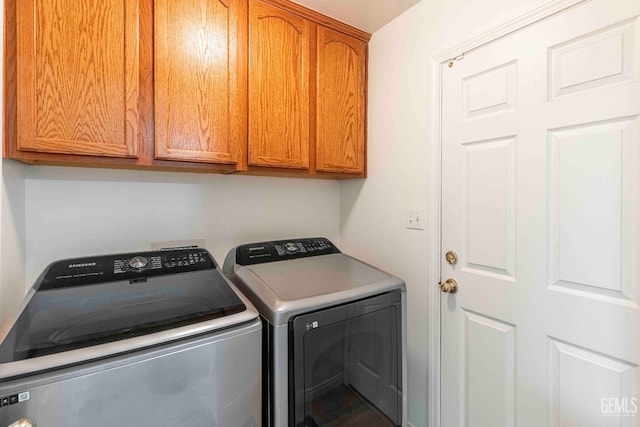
(593, 60)
(340, 108)
(576, 380)
(489, 189)
(501, 96)
(278, 87)
(589, 171)
(541, 199)
(78, 77)
(200, 82)
(489, 368)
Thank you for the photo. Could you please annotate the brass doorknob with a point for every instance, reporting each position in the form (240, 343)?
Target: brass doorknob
(450, 286)
(451, 257)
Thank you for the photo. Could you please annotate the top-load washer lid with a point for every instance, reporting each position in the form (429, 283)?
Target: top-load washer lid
(91, 303)
(288, 277)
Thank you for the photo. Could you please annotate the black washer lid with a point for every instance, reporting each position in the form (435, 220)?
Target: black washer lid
(93, 300)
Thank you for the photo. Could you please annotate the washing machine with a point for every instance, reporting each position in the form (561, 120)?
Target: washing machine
(151, 339)
(334, 334)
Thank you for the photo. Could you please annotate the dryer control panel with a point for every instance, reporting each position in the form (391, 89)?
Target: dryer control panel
(280, 250)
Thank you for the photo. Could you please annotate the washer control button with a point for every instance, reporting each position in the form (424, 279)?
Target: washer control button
(138, 263)
(291, 247)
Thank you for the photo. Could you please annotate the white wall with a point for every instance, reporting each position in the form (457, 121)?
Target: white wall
(75, 211)
(49, 213)
(373, 210)
(12, 235)
(11, 224)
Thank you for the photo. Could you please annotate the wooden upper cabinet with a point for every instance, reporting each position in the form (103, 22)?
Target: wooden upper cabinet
(253, 86)
(77, 76)
(200, 80)
(279, 47)
(340, 110)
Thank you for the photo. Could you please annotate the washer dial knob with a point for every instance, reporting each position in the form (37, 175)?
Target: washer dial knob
(138, 263)
(291, 247)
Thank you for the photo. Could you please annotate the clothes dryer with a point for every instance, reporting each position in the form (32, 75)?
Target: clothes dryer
(334, 334)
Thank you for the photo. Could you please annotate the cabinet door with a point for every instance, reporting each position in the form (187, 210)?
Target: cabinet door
(200, 80)
(278, 87)
(78, 76)
(340, 111)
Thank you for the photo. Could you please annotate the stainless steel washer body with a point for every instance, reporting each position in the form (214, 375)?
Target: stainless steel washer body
(305, 279)
(163, 340)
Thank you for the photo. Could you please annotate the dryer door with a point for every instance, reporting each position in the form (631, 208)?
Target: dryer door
(348, 364)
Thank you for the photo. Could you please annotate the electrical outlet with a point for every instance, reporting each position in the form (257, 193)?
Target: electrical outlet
(155, 246)
(415, 219)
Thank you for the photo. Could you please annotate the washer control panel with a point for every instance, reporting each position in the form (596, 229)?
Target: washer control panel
(280, 250)
(135, 267)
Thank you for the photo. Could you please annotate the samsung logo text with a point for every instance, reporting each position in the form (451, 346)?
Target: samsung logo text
(81, 265)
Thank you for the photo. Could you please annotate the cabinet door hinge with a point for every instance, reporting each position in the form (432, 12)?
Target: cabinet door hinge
(451, 61)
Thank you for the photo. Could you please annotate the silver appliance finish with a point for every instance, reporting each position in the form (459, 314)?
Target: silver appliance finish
(206, 373)
(283, 289)
(211, 381)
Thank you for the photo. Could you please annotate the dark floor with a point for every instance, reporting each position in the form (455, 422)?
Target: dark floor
(345, 407)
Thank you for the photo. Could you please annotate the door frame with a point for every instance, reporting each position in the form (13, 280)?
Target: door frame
(446, 58)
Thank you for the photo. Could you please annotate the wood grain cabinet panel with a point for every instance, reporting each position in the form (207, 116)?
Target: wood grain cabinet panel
(340, 110)
(200, 80)
(77, 76)
(279, 62)
(261, 87)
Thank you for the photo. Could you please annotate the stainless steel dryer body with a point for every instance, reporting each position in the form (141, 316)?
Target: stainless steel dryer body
(334, 333)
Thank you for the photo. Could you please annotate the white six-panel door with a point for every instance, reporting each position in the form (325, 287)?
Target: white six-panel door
(541, 203)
